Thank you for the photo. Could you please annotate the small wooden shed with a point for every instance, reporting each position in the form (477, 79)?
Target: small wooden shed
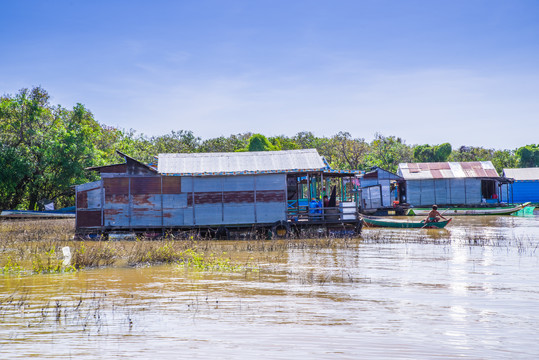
(525, 187)
(450, 183)
(202, 190)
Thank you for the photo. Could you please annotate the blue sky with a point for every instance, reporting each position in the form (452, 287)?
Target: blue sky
(464, 72)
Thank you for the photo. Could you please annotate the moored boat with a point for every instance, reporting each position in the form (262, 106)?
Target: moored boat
(500, 210)
(29, 214)
(403, 224)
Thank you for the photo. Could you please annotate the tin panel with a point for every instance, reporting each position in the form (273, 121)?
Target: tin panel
(172, 185)
(441, 194)
(94, 199)
(90, 186)
(239, 183)
(239, 197)
(457, 191)
(209, 214)
(145, 185)
(116, 215)
(82, 200)
(270, 212)
(173, 217)
(208, 184)
(473, 191)
(202, 198)
(116, 199)
(271, 182)
(239, 214)
(270, 196)
(110, 169)
(175, 201)
(143, 217)
(146, 201)
(116, 186)
(427, 192)
(187, 183)
(413, 192)
(88, 218)
(188, 219)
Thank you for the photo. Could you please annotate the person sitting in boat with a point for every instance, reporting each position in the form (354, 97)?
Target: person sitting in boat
(434, 215)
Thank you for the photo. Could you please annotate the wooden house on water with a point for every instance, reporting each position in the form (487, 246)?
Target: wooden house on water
(525, 187)
(451, 183)
(381, 192)
(217, 193)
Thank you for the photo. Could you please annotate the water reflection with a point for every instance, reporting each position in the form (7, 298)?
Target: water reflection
(468, 291)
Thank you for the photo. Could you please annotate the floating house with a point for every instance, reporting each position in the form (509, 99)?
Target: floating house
(215, 193)
(451, 183)
(381, 192)
(525, 187)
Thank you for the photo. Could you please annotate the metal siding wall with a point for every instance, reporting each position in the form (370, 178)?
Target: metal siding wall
(270, 212)
(386, 193)
(174, 217)
(374, 197)
(524, 191)
(208, 183)
(271, 182)
(209, 214)
(473, 191)
(441, 192)
(269, 188)
(146, 210)
(239, 183)
(368, 182)
(427, 192)
(413, 192)
(94, 199)
(174, 201)
(457, 191)
(239, 213)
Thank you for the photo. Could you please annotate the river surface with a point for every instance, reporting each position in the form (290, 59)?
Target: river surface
(469, 291)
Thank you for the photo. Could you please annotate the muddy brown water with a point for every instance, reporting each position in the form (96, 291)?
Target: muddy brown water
(469, 291)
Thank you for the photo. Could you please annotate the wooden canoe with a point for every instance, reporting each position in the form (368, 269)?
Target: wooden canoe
(403, 224)
(500, 210)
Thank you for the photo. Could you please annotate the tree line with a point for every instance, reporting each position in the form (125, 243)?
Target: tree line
(45, 149)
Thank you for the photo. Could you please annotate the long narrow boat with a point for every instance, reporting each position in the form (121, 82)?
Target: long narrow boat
(29, 214)
(403, 224)
(500, 210)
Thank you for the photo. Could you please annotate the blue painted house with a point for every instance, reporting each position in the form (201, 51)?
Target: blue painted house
(525, 187)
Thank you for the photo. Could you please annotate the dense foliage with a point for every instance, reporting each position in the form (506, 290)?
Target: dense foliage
(45, 149)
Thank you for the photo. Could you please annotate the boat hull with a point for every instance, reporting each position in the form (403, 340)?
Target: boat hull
(403, 224)
(503, 210)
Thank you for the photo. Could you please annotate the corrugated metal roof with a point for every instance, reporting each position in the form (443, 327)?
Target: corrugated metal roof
(237, 163)
(522, 174)
(447, 170)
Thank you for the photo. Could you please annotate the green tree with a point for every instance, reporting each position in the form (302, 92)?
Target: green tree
(436, 153)
(528, 156)
(350, 153)
(259, 142)
(388, 152)
(504, 159)
(53, 144)
(471, 153)
(226, 144)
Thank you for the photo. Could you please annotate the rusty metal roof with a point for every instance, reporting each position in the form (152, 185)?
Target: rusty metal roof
(447, 170)
(522, 174)
(237, 163)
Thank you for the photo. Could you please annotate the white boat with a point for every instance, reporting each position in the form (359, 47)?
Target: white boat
(499, 210)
